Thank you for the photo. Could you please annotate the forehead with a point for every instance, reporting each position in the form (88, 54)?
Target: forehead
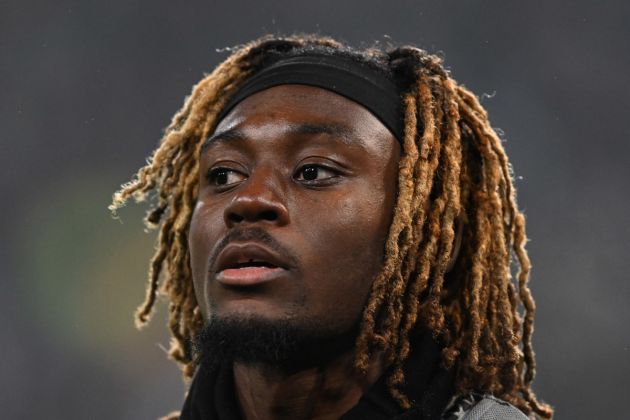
(302, 108)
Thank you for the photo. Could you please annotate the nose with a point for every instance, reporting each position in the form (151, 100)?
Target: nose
(259, 199)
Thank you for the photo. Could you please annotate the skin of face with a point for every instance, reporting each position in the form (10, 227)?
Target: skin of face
(316, 173)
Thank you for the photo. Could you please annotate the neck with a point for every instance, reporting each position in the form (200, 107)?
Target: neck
(321, 393)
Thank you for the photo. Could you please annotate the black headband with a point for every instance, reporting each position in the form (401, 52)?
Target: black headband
(342, 75)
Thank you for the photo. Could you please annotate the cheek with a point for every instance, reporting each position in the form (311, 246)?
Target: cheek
(346, 250)
(359, 238)
(196, 244)
(201, 236)
(361, 219)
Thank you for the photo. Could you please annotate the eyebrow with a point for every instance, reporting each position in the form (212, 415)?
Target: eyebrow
(337, 131)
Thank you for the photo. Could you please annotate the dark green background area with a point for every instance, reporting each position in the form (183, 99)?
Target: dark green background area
(86, 88)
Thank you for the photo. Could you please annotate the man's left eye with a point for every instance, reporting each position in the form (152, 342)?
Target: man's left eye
(309, 173)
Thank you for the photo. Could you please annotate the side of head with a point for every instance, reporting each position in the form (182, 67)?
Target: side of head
(450, 172)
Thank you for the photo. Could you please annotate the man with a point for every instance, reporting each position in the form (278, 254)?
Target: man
(336, 228)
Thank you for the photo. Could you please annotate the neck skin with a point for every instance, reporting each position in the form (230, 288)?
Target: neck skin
(318, 393)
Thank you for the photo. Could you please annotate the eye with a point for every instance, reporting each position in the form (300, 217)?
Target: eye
(314, 173)
(224, 176)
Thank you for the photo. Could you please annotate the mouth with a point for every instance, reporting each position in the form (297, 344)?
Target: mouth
(249, 264)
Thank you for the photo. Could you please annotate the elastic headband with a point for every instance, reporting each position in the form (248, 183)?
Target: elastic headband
(342, 75)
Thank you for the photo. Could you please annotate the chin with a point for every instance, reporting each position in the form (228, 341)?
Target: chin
(274, 340)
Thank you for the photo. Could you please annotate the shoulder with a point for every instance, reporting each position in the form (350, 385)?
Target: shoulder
(475, 406)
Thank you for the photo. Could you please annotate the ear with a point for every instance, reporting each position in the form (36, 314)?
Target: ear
(457, 243)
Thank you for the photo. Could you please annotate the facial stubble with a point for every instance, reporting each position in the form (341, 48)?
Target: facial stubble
(288, 345)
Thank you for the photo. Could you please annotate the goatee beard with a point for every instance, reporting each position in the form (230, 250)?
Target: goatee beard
(285, 345)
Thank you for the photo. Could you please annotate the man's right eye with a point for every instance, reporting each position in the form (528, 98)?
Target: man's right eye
(224, 177)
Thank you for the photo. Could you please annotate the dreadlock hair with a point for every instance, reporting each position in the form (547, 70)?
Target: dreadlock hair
(453, 170)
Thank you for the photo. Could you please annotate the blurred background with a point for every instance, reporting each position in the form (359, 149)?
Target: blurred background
(86, 88)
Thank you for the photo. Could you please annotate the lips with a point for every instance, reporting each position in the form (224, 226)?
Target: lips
(248, 264)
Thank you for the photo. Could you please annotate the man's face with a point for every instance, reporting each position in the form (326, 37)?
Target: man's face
(296, 194)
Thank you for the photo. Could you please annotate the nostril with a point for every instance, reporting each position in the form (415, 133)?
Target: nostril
(269, 215)
(235, 218)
